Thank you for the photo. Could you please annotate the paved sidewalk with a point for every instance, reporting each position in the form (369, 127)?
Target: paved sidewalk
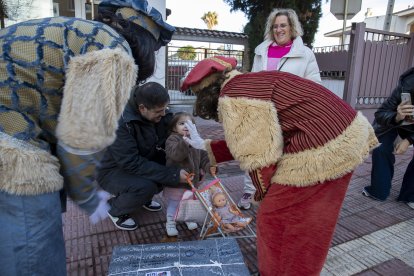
(371, 237)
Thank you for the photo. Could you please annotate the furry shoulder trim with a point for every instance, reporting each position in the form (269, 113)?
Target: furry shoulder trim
(97, 88)
(330, 161)
(252, 131)
(27, 170)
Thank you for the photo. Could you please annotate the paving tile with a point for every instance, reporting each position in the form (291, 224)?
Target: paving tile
(342, 235)
(348, 269)
(325, 272)
(408, 257)
(334, 263)
(358, 225)
(371, 237)
(367, 273)
(393, 267)
(378, 217)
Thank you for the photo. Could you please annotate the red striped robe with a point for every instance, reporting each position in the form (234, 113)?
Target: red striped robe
(288, 130)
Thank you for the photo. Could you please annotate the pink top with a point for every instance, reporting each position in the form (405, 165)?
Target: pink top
(275, 53)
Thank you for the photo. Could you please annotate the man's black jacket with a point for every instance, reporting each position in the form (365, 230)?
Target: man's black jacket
(385, 115)
(139, 149)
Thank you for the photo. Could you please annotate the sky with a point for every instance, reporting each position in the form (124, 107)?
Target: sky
(188, 13)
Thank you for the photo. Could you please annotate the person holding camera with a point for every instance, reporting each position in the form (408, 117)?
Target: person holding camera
(394, 118)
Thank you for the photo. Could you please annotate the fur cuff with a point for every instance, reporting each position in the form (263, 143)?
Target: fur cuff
(27, 170)
(252, 131)
(97, 87)
(331, 161)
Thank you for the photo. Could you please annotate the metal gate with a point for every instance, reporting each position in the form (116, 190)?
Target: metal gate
(178, 67)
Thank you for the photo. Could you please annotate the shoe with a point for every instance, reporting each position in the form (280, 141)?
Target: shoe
(171, 228)
(365, 193)
(124, 222)
(245, 201)
(152, 206)
(410, 204)
(191, 225)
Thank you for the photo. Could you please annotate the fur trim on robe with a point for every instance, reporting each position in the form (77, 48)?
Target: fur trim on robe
(252, 131)
(330, 161)
(97, 88)
(27, 170)
(254, 138)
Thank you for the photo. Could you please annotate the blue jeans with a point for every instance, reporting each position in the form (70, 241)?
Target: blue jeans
(383, 161)
(31, 235)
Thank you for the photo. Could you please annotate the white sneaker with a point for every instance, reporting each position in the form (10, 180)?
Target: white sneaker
(152, 206)
(124, 222)
(245, 201)
(191, 225)
(171, 228)
(410, 204)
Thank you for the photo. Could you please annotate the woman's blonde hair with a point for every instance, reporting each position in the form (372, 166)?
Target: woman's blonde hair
(293, 20)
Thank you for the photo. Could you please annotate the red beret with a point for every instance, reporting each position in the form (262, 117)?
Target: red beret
(207, 67)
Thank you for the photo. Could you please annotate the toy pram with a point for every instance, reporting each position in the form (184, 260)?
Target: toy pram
(197, 206)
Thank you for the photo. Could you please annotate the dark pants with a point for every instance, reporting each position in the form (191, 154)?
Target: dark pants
(130, 191)
(383, 161)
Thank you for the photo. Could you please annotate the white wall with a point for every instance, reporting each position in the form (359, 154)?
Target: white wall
(336, 86)
(159, 74)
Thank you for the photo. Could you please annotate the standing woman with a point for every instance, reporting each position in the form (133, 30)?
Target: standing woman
(63, 84)
(282, 50)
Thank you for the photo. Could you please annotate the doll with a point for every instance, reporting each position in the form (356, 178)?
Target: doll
(229, 217)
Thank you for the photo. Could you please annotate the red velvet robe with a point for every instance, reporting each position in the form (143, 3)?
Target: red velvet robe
(300, 144)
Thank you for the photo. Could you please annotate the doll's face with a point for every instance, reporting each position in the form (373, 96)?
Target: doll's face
(180, 127)
(220, 200)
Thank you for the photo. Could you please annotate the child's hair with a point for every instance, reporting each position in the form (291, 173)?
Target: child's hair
(177, 117)
(215, 194)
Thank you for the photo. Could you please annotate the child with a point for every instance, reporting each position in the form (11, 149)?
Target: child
(229, 217)
(180, 153)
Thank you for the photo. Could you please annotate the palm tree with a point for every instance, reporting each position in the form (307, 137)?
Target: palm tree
(210, 18)
(3, 13)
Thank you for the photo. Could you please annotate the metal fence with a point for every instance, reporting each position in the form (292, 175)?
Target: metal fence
(368, 68)
(180, 62)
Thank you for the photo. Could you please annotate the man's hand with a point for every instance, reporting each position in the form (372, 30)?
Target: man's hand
(404, 109)
(183, 176)
(194, 140)
(402, 146)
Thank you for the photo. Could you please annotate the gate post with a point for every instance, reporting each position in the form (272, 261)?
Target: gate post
(410, 57)
(355, 63)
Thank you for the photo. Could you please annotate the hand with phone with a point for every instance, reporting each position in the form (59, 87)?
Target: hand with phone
(405, 109)
(402, 146)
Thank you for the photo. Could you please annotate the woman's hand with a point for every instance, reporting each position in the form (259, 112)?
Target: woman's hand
(404, 109)
(402, 146)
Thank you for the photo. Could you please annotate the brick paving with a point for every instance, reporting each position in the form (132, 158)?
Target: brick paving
(371, 237)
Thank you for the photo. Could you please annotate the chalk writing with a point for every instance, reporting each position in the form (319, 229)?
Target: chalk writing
(207, 257)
